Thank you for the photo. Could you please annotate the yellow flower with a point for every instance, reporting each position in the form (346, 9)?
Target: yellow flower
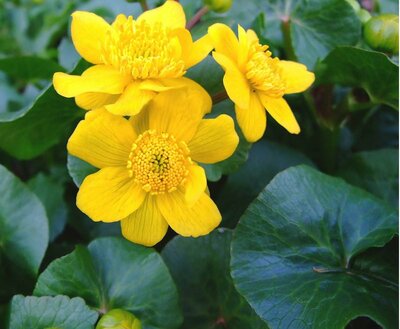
(134, 59)
(149, 177)
(255, 81)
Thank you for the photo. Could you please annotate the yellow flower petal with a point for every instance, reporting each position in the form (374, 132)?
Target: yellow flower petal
(178, 112)
(281, 112)
(195, 185)
(224, 40)
(193, 52)
(132, 100)
(102, 139)
(146, 225)
(109, 195)
(196, 220)
(170, 14)
(296, 76)
(236, 84)
(252, 120)
(162, 84)
(140, 122)
(98, 78)
(90, 101)
(88, 32)
(243, 50)
(215, 140)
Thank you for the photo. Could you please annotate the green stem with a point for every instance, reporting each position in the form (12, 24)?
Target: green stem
(329, 141)
(287, 39)
(144, 5)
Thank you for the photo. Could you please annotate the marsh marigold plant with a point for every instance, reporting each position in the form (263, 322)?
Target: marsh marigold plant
(134, 59)
(149, 175)
(255, 81)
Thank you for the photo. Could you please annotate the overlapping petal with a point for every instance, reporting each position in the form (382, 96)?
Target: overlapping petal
(146, 225)
(224, 41)
(252, 120)
(90, 101)
(235, 82)
(195, 220)
(296, 76)
(281, 112)
(102, 139)
(170, 14)
(88, 33)
(109, 195)
(132, 100)
(178, 112)
(98, 79)
(196, 184)
(215, 140)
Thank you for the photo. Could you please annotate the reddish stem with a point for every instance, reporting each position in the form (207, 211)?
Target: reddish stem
(219, 97)
(197, 17)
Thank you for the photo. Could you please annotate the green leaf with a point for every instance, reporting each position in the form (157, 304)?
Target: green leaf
(208, 74)
(295, 248)
(31, 131)
(29, 67)
(266, 159)
(114, 273)
(50, 312)
(375, 171)
(200, 268)
(23, 235)
(51, 192)
(79, 169)
(370, 70)
(318, 26)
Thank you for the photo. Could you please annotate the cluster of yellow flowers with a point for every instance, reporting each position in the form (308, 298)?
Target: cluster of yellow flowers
(146, 130)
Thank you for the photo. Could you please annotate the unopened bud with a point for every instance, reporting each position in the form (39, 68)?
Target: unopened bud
(118, 319)
(219, 6)
(382, 33)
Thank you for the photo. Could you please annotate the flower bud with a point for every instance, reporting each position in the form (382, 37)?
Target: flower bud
(382, 33)
(219, 6)
(118, 319)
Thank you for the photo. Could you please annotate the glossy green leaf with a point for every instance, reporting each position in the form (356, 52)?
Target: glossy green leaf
(23, 235)
(114, 273)
(30, 131)
(295, 249)
(29, 67)
(200, 268)
(79, 169)
(266, 159)
(318, 26)
(370, 70)
(50, 312)
(375, 171)
(50, 192)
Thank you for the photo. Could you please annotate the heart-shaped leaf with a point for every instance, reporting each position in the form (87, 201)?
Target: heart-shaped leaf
(24, 235)
(373, 71)
(200, 268)
(295, 249)
(375, 171)
(50, 312)
(114, 273)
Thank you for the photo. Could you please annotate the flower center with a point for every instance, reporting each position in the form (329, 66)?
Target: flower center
(263, 71)
(143, 50)
(158, 162)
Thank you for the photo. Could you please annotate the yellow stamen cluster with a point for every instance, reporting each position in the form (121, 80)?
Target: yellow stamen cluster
(158, 162)
(143, 50)
(263, 71)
